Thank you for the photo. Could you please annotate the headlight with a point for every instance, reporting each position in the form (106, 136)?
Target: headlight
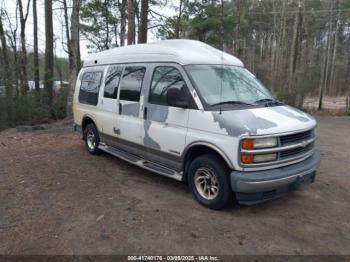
(259, 143)
(264, 158)
(250, 159)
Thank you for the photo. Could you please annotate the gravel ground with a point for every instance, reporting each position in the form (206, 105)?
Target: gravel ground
(55, 198)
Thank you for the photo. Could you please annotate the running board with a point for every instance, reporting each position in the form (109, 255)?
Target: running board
(138, 161)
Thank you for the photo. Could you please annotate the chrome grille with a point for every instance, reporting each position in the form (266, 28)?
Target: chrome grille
(295, 138)
(295, 151)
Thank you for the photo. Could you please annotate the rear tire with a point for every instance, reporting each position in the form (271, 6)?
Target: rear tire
(208, 179)
(92, 139)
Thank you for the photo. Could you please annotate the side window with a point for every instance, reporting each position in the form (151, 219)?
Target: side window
(131, 83)
(90, 85)
(164, 78)
(112, 81)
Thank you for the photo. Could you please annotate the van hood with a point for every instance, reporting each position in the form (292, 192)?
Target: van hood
(263, 121)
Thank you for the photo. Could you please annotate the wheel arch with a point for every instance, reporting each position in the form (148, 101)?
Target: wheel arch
(200, 148)
(87, 119)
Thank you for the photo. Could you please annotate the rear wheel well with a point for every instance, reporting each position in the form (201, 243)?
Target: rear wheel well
(87, 120)
(196, 151)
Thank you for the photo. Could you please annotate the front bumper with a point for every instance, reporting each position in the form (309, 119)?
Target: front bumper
(259, 186)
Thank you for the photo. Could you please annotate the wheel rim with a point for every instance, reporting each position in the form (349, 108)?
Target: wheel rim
(206, 183)
(91, 140)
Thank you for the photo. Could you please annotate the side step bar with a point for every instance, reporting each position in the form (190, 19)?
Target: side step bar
(138, 161)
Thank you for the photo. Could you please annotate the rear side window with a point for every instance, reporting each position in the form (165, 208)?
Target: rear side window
(112, 81)
(164, 78)
(131, 83)
(90, 85)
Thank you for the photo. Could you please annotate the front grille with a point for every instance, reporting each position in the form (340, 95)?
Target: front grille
(295, 151)
(295, 138)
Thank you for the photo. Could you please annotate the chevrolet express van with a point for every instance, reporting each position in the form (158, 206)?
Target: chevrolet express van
(188, 111)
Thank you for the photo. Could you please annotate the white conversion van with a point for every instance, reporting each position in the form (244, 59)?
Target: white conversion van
(188, 111)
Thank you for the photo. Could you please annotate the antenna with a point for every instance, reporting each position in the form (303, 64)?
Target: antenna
(222, 53)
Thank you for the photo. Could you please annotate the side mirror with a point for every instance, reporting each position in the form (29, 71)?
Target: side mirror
(176, 99)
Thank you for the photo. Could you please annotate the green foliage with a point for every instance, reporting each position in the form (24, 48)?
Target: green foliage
(99, 23)
(32, 109)
(3, 113)
(59, 106)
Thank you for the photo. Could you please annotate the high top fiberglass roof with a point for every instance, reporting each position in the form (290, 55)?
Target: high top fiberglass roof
(180, 51)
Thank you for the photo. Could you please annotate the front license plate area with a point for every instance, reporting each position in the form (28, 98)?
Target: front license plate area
(303, 181)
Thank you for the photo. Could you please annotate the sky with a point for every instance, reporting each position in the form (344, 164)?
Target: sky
(10, 6)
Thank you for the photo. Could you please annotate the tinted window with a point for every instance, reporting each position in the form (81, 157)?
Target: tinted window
(112, 81)
(131, 83)
(164, 78)
(90, 85)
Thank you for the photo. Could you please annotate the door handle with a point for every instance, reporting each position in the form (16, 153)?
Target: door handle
(145, 113)
(116, 131)
(120, 108)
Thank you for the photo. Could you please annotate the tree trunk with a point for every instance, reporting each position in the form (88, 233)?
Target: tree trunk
(137, 16)
(59, 72)
(66, 24)
(6, 64)
(324, 73)
(106, 13)
(131, 22)
(281, 45)
(75, 51)
(123, 16)
(49, 63)
(23, 19)
(332, 83)
(329, 45)
(322, 81)
(16, 66)
(36, 54)
(295, 47)
(144, 22)
(13, 43)
(178, 22)
(237, 28)
(274, 49)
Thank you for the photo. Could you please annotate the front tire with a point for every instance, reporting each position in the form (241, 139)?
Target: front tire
(208, 179)
(92, 139)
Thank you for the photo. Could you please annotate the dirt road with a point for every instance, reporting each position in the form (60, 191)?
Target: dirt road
(55, 198)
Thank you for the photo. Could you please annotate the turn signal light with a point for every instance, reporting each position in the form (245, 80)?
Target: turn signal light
(247, 159)
(247, 143)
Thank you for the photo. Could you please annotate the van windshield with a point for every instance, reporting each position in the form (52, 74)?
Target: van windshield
(218, 84)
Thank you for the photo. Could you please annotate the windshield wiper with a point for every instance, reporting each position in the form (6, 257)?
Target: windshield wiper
(265, 100)
(268, 101)
(232, 102)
